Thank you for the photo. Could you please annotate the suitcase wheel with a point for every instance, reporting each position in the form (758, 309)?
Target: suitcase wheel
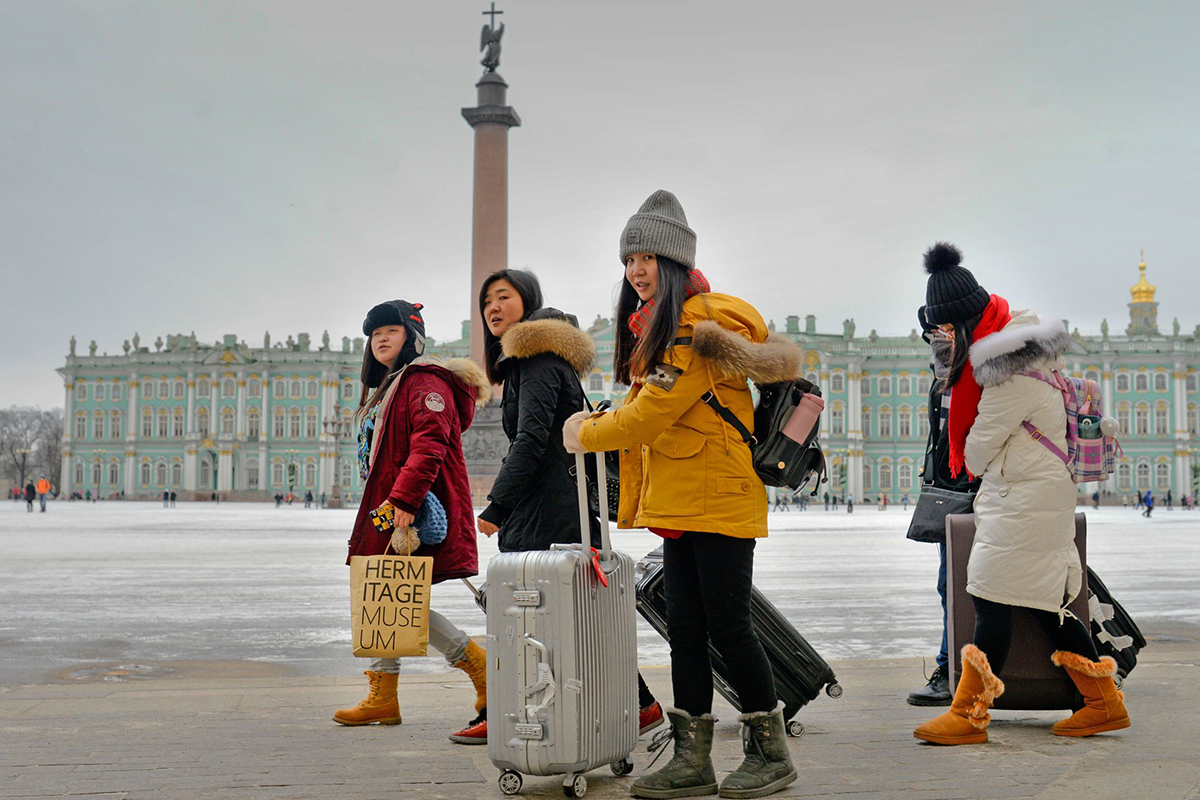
(620, 768)
(575, 786)
(795, 728)
(510, 781)
(834, 690)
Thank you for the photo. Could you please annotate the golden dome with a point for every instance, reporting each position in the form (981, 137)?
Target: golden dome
(1142, 292)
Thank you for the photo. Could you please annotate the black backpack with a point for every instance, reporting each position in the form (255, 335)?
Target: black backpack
(1113, 631)
(778, 459)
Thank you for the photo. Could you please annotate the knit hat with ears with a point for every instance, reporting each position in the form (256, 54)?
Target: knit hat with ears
(952, 293)
(660, 227)
(399, 312)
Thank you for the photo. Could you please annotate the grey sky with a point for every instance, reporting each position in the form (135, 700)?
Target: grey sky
(239, 167)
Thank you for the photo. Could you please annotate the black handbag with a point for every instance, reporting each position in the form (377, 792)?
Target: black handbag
(934, 504)
(612, 477)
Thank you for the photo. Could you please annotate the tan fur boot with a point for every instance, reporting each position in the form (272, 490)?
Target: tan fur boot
(381, 704)
(967, 720)
(1103, 704)
(474, 663)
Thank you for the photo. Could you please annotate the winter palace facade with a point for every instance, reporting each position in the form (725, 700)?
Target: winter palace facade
(252, 422)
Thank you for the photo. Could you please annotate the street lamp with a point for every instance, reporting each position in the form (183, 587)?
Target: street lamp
(336, 427)
(23, 452)
(293, 458)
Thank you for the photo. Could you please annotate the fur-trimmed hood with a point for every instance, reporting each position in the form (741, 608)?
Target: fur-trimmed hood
(773, 361)
(466, 372)
(558, 336)
(1022, 344)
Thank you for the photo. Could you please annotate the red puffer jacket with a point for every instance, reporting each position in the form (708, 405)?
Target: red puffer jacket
(417, 448)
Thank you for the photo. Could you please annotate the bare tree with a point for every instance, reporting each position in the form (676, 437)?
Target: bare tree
(30, 443)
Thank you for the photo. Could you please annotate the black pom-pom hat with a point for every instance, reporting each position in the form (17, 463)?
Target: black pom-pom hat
(952, 294)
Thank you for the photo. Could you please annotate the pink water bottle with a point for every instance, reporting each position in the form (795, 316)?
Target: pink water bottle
(804, 419)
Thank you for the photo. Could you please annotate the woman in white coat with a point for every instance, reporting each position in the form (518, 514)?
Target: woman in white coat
(1024, 553)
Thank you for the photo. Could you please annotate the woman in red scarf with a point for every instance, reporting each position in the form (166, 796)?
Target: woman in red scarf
(1024, 551)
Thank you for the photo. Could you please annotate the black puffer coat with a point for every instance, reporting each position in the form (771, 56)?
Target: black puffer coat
(533, 500)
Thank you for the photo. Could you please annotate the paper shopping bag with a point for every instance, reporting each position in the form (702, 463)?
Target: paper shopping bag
(389, 605)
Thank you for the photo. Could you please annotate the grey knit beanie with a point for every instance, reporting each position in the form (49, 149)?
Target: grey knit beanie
(660, 227)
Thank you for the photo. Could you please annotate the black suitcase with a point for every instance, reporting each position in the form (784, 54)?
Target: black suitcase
(1113, 631)
(800, 672)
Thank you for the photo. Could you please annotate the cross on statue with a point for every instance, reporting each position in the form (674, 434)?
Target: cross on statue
(489, 40)
(492, 14)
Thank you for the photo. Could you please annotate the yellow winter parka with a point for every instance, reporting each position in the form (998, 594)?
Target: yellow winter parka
(682, 466)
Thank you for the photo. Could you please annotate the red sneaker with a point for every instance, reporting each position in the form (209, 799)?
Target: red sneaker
(649, 718)
(474, 733)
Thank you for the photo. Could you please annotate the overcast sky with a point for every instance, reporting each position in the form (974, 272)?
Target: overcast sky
(252, 166)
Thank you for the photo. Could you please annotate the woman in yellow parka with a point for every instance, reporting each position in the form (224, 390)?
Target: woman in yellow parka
(687, 476)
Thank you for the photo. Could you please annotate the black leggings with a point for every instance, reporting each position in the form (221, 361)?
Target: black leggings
(707, 580)
(993, 632)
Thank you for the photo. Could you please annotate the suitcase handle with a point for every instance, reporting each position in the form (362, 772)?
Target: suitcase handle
(585, 525)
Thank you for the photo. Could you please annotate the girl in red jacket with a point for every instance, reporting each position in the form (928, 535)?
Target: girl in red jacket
(411, 417)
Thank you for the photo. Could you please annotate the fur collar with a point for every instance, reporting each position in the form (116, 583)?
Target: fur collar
(557, 336)
(471, 376)
(1020, 345)
(773, 361)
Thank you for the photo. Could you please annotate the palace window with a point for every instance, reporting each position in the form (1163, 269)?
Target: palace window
(294, 424)
(904, 386)
(179, 389)
(164, 423)
(347, 473)
(310, 424)
(147, 424)
(310, 390)
(206, 476)
(1122, 381)
(1141, 417)
(96, 473)
(254, 388)
(866, 422)
(1124, 477)
(1143, 476)
(80, 425)
(115, 394)
(177, 423)
(145, 473)
(1161, 424)
(1092, 375)
(160, 474)
(866, 475)
(310, 476)
(1141, 382)
(904, 422)
(227, 420)
(98, 424)
(1162, 476)
(78, 473)
(837, 383)
(1160, 381)
(295, 390)
(203, 388)
(923, 421)
(348, 391)
(864, 387)
(114, 425)
(147, 392)
(1123, 418)
(838, 420)
(164, 390)
(81, 391)
(253, 423)
(277, 424)
(228, 388)
(251, 474)
(885, 387)
(277, 474)
(114, 474)
(595, 383)
(176, 474)
(1193, 382)
(924, 384)
(885, 422)
(202, 421)
(1193, 419)
(98, 393)
(905, 473)
(278, 391)
(885, 476)
(835, 477)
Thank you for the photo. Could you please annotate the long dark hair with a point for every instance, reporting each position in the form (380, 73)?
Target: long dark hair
(964, 332)
(633, 357)
(527, 286)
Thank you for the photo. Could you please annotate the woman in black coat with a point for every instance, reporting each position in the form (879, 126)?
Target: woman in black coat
(541, 356)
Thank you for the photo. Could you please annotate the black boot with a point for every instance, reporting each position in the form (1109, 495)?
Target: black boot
(767, 767)
(689, 773)
(936, 692)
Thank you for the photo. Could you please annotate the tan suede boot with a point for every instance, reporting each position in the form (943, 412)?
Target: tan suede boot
(380, 706)
(967, 720)
(474, 663)
(1103, 704)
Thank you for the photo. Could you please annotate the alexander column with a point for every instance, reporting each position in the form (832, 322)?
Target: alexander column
(491, 120)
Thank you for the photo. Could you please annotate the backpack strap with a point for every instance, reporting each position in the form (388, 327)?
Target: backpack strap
(1053, 448)
(724, 413)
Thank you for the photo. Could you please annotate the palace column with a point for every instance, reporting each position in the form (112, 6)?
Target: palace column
(67, 475)
(189, 447)
(1183, 455)
(132, 432)
(855, 436)
(491, 120)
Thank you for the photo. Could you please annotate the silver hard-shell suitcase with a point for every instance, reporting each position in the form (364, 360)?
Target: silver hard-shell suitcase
(562, 659)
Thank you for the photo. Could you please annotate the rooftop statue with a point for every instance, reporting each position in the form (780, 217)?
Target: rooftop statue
(72, 350)
(489, 39)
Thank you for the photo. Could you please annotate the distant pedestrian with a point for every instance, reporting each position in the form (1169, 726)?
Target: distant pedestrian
(172, 498)
(1095, 499)
(43, 489)
(827, 501)
(278, 500)
(1148, 503)
(1169, 508)
(30, 494)
(322, 503)
(166, 499)
(835, 502)
(87, 496)
(850, 504)
(906, 501)
(1138, 497)
(308, 498)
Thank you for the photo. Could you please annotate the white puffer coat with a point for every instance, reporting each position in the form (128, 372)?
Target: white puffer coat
(1024, 552)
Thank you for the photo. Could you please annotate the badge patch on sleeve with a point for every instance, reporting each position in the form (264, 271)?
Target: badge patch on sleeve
(435, 402)
(664, 376)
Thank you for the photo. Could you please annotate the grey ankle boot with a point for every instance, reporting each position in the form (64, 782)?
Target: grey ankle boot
(689, 773)
(768, 764)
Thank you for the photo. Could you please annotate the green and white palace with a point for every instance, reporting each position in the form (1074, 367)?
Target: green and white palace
(250, 422)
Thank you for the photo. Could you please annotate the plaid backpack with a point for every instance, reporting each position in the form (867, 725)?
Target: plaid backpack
(1091, 453)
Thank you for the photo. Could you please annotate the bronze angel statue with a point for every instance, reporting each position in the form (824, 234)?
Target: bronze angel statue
(490, 39)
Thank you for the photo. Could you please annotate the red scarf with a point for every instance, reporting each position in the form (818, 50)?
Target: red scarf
(696, 284)
(965, 407)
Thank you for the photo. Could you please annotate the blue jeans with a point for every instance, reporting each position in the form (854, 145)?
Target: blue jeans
(943, 657)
